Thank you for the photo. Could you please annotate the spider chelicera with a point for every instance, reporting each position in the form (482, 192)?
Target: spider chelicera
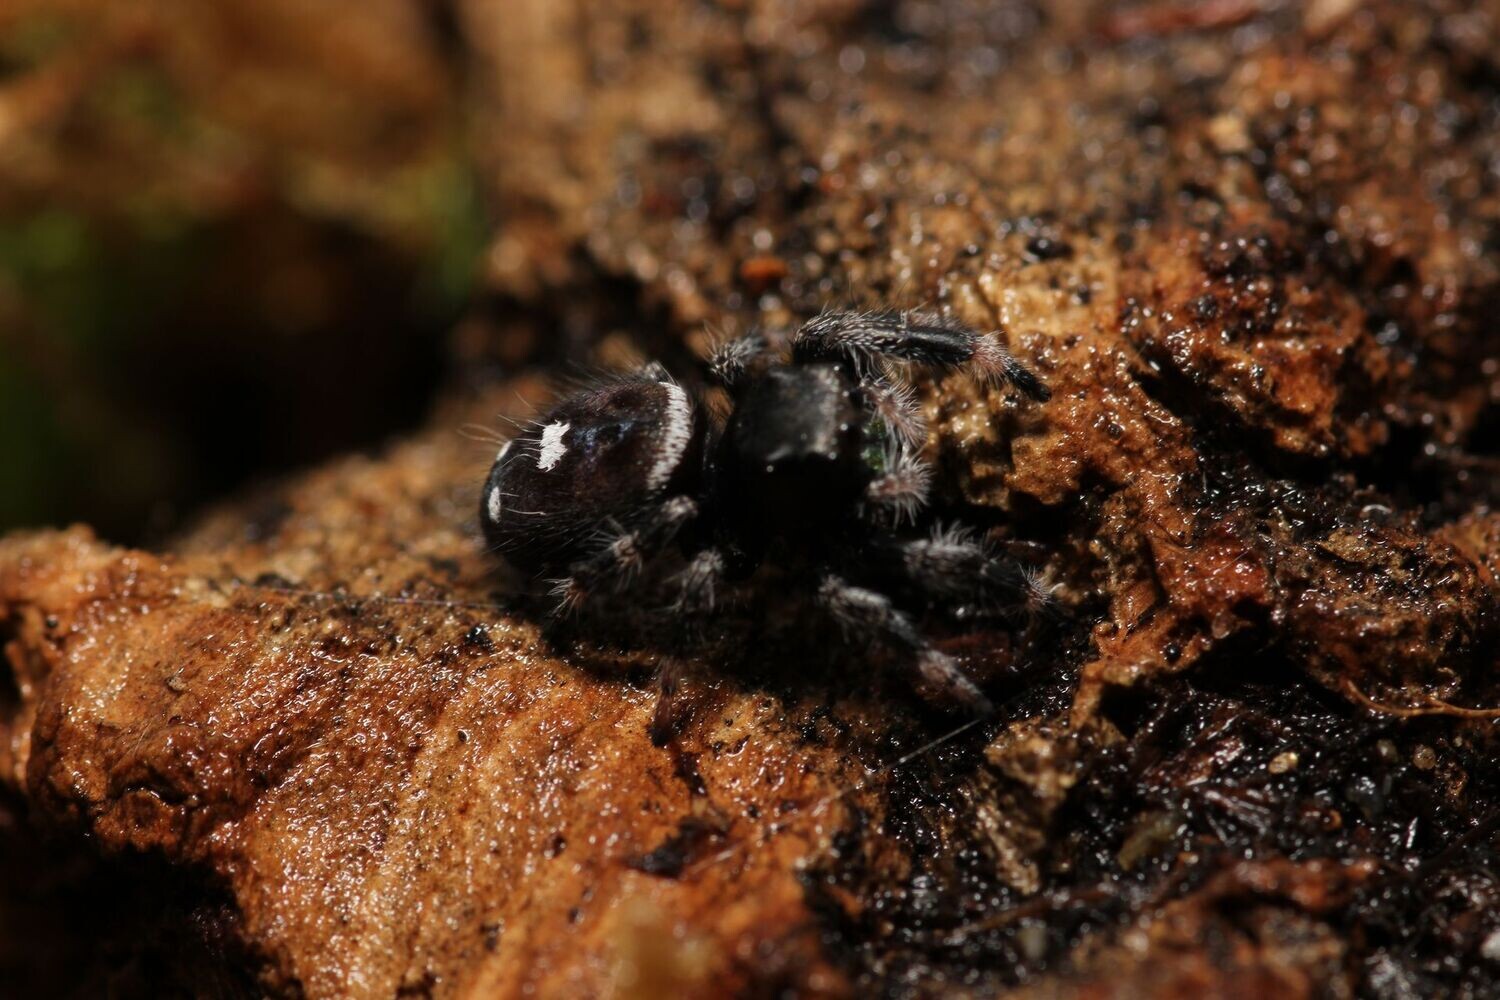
(810, 480)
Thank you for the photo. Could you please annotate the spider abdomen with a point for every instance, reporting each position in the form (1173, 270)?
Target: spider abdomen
(597, 459)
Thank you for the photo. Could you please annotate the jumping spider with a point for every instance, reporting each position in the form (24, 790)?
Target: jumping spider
(811, 475)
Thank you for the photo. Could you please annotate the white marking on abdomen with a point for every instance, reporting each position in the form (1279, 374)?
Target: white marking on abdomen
(676, 431)
(494, 505)
(553, 448)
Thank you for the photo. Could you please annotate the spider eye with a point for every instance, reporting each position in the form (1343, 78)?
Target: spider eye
(601, 455)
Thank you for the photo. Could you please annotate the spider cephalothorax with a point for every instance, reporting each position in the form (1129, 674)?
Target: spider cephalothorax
(814, 472)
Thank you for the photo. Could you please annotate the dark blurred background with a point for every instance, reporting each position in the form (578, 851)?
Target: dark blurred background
(234, 237)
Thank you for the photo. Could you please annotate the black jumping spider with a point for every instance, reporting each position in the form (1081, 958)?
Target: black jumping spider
(812, 473)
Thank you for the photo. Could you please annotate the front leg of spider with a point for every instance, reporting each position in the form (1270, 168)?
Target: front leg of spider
(912, 335)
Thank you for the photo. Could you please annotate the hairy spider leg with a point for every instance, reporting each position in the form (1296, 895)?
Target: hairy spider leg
(864, 613)
(952, 564)
(901, 488)
(669, 716)
(698, 588)
(621, 554)
(912, 335)
(894, 404)
(731, 359)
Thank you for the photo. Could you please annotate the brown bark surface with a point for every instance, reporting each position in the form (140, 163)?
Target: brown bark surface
(1253, 249)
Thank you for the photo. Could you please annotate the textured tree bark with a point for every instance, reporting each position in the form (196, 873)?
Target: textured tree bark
(1252, 250)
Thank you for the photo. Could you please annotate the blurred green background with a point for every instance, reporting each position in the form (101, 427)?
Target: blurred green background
(233, 239)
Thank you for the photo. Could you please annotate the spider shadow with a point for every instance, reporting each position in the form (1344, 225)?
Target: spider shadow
(773, 646)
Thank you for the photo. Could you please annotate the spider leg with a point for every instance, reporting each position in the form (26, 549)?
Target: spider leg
(895, 404)
(861, 612)
(911, 335)
(699, 584)
(670, 714)
(952, 564)
(901, 488)
(698, 587)
(622, 553)
(730, 359)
